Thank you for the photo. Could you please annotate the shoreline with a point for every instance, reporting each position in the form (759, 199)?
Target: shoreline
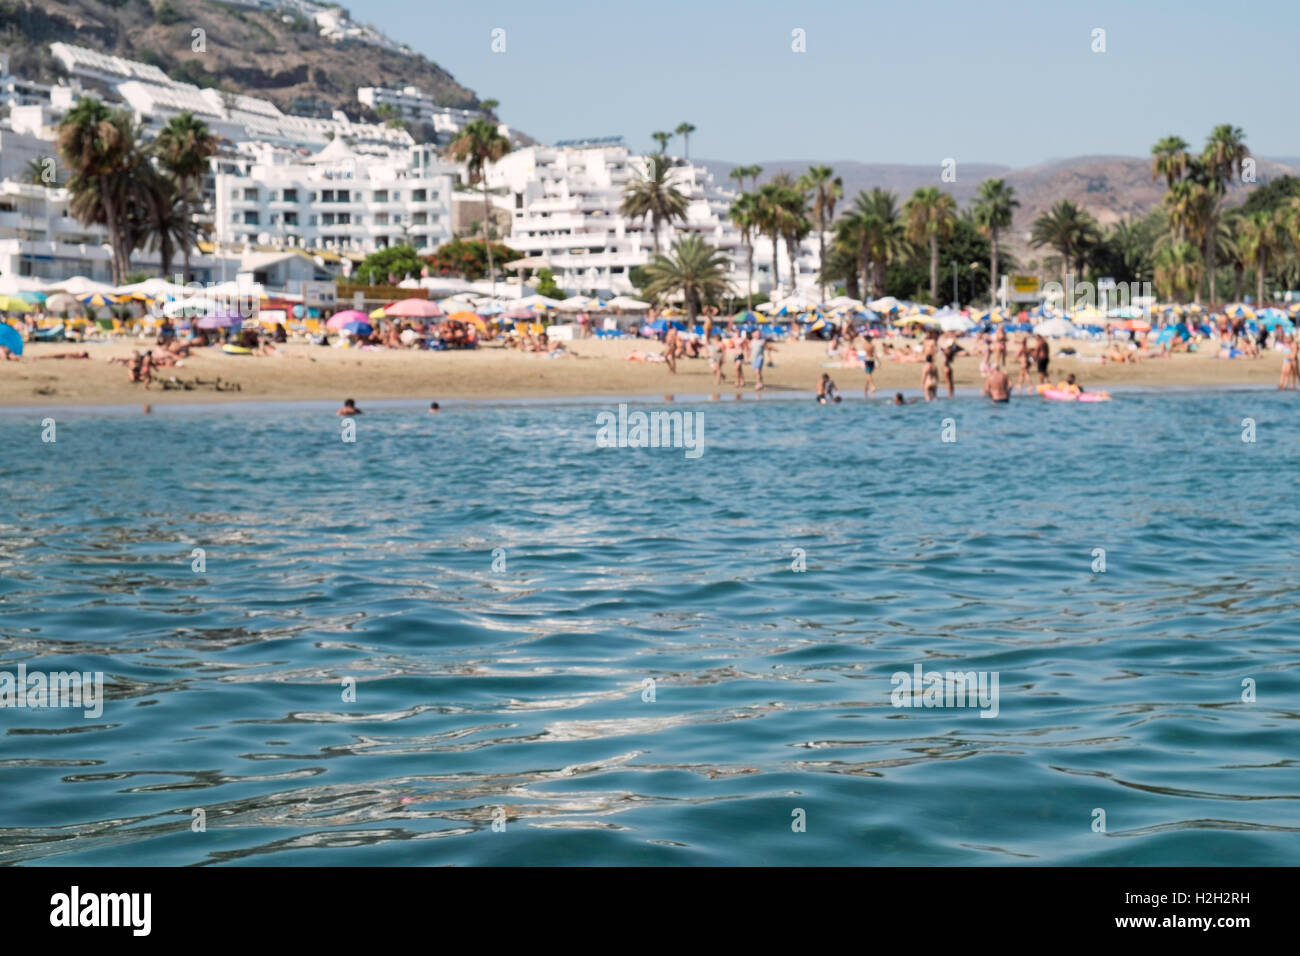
(600, 371)
(590, 399)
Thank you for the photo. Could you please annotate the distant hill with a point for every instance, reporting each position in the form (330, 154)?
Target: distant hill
(248, 50)
(1109, 187)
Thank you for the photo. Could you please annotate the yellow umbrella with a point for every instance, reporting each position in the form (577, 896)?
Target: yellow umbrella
(379, 313)
(12, 303)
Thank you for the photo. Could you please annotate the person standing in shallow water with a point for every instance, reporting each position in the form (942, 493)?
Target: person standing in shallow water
(760, 348)
(1043, 356)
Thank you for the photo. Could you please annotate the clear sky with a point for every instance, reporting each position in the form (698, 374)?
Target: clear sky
(1000, 81)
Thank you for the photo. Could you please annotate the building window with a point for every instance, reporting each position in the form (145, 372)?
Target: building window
(381, 219)
(327, 219)
(250, 195)
(344, 195)
(327, 195)
(291, 219)
(345, 219)
(418, 195)
(250, 218)
(291, 195)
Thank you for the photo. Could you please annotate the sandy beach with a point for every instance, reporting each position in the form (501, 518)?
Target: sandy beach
(306, 372)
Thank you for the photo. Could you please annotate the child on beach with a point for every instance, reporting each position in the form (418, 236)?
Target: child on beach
(741, 345)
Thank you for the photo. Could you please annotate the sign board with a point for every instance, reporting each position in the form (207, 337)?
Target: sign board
(322, 293)
(1025, 289)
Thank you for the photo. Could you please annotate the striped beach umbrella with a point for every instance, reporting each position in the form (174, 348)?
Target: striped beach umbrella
(97, 300)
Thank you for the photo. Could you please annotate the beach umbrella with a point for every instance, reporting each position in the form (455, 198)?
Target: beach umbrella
(469, 318)
(627, 302)
(61, 302)
(1055, 328)
(357, 327)
(340, 320)
(955, 322)
(1239, 311)
(35, 298)
(10, 339)
(887, 304)
(221, 319)
(97, 300)
(537, 302)
(414, 309)
(14, 303)
(79, 286)
(379, 313)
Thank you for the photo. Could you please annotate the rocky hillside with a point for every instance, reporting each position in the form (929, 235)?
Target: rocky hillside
(268, 53)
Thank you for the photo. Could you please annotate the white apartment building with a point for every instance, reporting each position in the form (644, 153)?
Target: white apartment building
(341, 199)
(154, 99)
(566, 201)
(415, 106)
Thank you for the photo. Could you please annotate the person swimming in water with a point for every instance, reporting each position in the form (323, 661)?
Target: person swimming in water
(826, 390)
(349, 407)
(900, 400)
(997, 386)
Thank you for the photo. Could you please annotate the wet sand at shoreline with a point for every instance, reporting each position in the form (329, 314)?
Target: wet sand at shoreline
(306, 372)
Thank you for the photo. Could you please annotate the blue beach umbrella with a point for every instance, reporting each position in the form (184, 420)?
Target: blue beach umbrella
(358, 327)
(10, 339)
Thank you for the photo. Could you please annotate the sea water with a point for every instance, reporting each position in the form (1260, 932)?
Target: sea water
(482, 637)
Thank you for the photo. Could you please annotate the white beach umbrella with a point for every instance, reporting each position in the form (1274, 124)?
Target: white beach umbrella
(14, 285)
(953, 322)
(627, 302)
(887, 304)
(798, 302)
(1055, 328)
(79, 286)
(575, 303)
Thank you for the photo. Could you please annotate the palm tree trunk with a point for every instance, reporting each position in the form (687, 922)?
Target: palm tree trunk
(1239, 273)
(934, 270)
(1259, 281)
(113, 226)
(776, 264)
(487, 236)
(1209, 261)
(185, 238)
(993, 280)
(749, 284)
(821, 248)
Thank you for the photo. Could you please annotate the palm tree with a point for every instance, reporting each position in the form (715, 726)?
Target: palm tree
(745, 216)
(684, 130)
(995, 204)
(1224, 152)
(753, 172)
(653, 194)
(1169, 159)
(184, 148)
(695, 269)
(884, 236)
(95, 144)
(794, 227)
(1259, 239)
(767, 222)
(826, 189)
(477, 144)
(662, 139)
(1178, 269)
(1228, 242)
(738, 173)
(930, 214)
(1066, 228)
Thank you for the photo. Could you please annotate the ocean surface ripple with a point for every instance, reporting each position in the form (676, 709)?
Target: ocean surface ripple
(609, 654)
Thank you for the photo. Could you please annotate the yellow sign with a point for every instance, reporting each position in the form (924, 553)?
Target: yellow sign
(1025, 289)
